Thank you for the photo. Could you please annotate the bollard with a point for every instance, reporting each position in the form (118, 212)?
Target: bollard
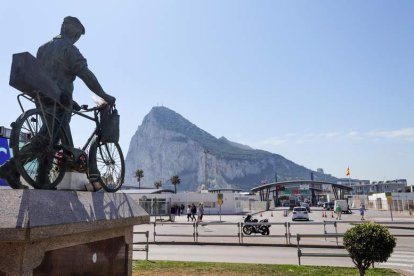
(155, 222)
(147, 247)
(336, 231)
(288, 224)
(239, 232)
(324, 228)
(195, 231)
(299, 251)
(286, 233)
(271, 214)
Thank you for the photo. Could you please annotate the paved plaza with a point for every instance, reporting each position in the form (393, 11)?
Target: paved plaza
(227, 249)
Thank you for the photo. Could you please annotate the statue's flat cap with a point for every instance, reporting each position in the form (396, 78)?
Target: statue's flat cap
(74, 21)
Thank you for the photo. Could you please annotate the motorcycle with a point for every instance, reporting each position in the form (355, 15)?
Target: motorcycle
(261, 227)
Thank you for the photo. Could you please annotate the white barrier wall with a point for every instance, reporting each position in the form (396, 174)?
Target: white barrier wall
(400, 201)
(233, 203)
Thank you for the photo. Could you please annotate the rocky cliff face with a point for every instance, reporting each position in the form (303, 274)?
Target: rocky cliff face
(167, 144)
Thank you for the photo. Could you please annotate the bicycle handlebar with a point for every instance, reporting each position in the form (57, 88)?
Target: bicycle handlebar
(85, 108)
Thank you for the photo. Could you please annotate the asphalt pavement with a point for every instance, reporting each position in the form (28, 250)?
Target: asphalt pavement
(174, 247)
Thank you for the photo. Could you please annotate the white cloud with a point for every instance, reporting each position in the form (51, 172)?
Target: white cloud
(406, 134)
(276, 141)
(353, 133)
(331, 135)
(403, 134)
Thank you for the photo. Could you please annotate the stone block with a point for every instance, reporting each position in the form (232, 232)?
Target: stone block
(41, 231)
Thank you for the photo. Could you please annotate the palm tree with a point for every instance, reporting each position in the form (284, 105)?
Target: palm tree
(175, 180)
(157, 184)
(139, 174)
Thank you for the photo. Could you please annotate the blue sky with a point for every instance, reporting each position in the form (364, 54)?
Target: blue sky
(326, 84)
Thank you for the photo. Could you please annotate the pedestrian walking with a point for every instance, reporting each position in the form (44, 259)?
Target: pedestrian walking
(182, 207)
(173, 211)
(189, 213)
(200, 211)
(362, 211)
(193, 211)
(338, 211)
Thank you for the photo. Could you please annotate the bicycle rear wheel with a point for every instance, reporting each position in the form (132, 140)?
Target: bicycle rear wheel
(27, 132)
(106, 161)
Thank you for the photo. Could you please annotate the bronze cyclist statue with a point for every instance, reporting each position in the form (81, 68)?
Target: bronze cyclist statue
(61, 62)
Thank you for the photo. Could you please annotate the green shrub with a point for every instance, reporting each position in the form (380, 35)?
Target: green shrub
(368, 243)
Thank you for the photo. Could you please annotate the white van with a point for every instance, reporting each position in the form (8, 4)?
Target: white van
(344, 206)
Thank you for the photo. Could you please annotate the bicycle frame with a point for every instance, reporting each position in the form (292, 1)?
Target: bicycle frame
(54, 121)
(94, 118)
(81, 113)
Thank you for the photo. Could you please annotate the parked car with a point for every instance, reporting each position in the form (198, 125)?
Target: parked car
(306, 205)
(344, 206)
(328, 206)
(300, 213)
(320, 203)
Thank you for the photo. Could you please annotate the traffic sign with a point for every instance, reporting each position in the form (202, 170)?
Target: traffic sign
(219, 199)
(287, 192)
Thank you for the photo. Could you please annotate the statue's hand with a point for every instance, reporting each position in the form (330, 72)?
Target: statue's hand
(110, 100)
(76, 106)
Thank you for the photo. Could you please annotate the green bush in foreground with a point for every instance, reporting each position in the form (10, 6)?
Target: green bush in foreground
(368, 243)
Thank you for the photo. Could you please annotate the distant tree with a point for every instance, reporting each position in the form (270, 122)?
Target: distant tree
(139, 174)
(157, 184)
(368, 243)
(175, 180)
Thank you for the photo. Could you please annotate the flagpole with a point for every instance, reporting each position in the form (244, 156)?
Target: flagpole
(348, 172)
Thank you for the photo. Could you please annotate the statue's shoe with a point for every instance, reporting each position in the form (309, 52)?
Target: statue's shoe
(12, 178)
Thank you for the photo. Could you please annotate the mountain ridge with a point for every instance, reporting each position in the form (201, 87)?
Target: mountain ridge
(166, 143)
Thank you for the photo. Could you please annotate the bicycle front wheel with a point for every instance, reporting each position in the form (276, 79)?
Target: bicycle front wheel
(107, 162)
(30, 143)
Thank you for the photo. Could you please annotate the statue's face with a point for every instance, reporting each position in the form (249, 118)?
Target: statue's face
(73, 33)
(76, 37)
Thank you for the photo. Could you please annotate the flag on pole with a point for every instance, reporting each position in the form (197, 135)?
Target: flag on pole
(348, 172)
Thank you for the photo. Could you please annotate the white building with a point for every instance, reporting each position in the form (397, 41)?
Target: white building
(159, 202)
(365, 187)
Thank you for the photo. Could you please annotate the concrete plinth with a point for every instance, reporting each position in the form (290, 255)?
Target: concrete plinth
(67, 233)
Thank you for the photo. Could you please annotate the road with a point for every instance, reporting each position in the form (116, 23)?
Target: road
(230, 251)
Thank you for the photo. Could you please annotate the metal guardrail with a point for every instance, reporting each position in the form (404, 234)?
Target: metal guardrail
(195, 235)
(336, 235)
(314, 254)
(324, 223)
(146, 248)
(219, 235)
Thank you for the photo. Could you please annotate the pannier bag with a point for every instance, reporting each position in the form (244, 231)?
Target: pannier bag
(109, 125)
(28, 76)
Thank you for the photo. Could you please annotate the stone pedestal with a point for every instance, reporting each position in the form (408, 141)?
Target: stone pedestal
(67, 233)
